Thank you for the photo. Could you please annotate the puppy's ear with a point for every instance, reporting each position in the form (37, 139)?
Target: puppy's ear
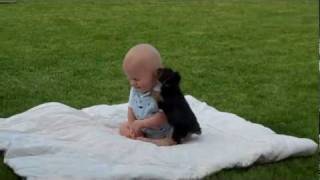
(176, 77)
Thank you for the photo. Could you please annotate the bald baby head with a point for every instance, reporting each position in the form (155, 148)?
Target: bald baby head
(140, 65)
(144, 56)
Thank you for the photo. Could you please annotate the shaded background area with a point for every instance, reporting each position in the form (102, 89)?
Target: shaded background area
(257, 59)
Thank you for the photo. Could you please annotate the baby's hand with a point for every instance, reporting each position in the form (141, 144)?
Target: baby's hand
(135, 129)
(136, 125)
(131, 133)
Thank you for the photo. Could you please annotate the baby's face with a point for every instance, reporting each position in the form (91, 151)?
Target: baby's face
(140, 65)
(140, 78)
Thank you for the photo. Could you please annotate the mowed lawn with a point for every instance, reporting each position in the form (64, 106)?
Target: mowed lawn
(257, 59)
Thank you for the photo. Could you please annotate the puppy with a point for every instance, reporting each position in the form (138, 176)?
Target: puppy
(175, 106)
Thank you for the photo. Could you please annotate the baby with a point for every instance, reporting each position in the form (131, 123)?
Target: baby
(146, 121)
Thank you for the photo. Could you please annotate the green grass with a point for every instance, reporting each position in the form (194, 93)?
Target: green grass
(257, 59)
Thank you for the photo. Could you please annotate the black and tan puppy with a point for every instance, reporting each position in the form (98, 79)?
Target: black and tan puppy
(175, 106)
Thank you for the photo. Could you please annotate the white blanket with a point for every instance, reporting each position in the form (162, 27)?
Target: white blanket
(55, 141)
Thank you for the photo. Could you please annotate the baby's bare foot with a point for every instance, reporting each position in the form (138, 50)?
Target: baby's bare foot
(159, 142)
(141, 138)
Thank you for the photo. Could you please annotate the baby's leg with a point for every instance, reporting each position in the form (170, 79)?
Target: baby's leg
(124, 130)
(159, 142)
(137, 135)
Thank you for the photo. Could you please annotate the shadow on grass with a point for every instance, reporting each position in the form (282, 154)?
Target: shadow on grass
(284, 169)
(6, 172)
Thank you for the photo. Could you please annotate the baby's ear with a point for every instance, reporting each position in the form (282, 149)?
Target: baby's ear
(159, 72)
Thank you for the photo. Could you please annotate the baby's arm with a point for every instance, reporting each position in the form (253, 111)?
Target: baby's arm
(153, 121)
(131, 116)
